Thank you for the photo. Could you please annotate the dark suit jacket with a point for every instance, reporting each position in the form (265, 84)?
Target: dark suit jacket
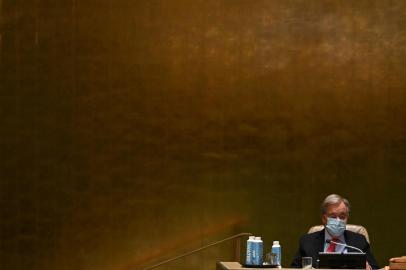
(311, 244)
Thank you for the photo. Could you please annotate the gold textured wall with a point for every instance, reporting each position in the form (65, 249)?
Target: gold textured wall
(132, 131)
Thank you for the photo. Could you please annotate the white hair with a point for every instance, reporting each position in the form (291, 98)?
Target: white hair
(334, 199)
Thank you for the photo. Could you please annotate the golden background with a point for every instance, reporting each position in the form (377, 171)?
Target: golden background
(132, 131)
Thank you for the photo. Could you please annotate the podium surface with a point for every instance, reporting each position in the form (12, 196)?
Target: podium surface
(229, 266)
(238, 266)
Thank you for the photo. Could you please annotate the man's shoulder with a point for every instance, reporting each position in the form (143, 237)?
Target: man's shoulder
(318, 234)
(313, 235)
(354, 235)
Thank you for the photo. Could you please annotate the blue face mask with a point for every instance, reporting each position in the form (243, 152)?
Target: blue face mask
(335, 226)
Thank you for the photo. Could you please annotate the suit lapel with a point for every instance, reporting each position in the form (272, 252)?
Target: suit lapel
(349, 240)
(319, 239)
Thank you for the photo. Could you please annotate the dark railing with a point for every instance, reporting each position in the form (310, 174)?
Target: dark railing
(237, 237)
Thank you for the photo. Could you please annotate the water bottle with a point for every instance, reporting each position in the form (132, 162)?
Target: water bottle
(257, 251)
(250, 246)
(276, 248)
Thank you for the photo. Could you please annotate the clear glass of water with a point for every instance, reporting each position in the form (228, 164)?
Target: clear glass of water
(270, 258)
(307, 262)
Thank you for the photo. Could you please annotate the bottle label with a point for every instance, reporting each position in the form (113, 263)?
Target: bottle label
(257, 254)
(248, 259)
(278, 252)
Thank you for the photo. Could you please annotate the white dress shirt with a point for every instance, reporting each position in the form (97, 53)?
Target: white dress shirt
(339, 248)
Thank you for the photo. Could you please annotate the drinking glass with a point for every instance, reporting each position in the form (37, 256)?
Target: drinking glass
(270, 258)
(307, 262)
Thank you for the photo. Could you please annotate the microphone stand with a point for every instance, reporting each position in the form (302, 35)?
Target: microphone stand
(345, 245)
(202, 248)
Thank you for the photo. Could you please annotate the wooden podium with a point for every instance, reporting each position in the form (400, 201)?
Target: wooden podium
(238, 266)
(229, 266)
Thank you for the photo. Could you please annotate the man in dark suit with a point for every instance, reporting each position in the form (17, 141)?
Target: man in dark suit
(335, 211)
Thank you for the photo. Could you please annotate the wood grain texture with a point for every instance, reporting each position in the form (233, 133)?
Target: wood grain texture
(128, 125)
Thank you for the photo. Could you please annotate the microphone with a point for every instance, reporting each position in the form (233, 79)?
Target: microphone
(348, 246)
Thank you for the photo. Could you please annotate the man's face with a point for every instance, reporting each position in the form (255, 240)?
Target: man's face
(338, 210)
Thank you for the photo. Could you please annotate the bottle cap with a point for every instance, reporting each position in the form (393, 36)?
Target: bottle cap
(276, 243)
(258, 238)
(251, 237)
